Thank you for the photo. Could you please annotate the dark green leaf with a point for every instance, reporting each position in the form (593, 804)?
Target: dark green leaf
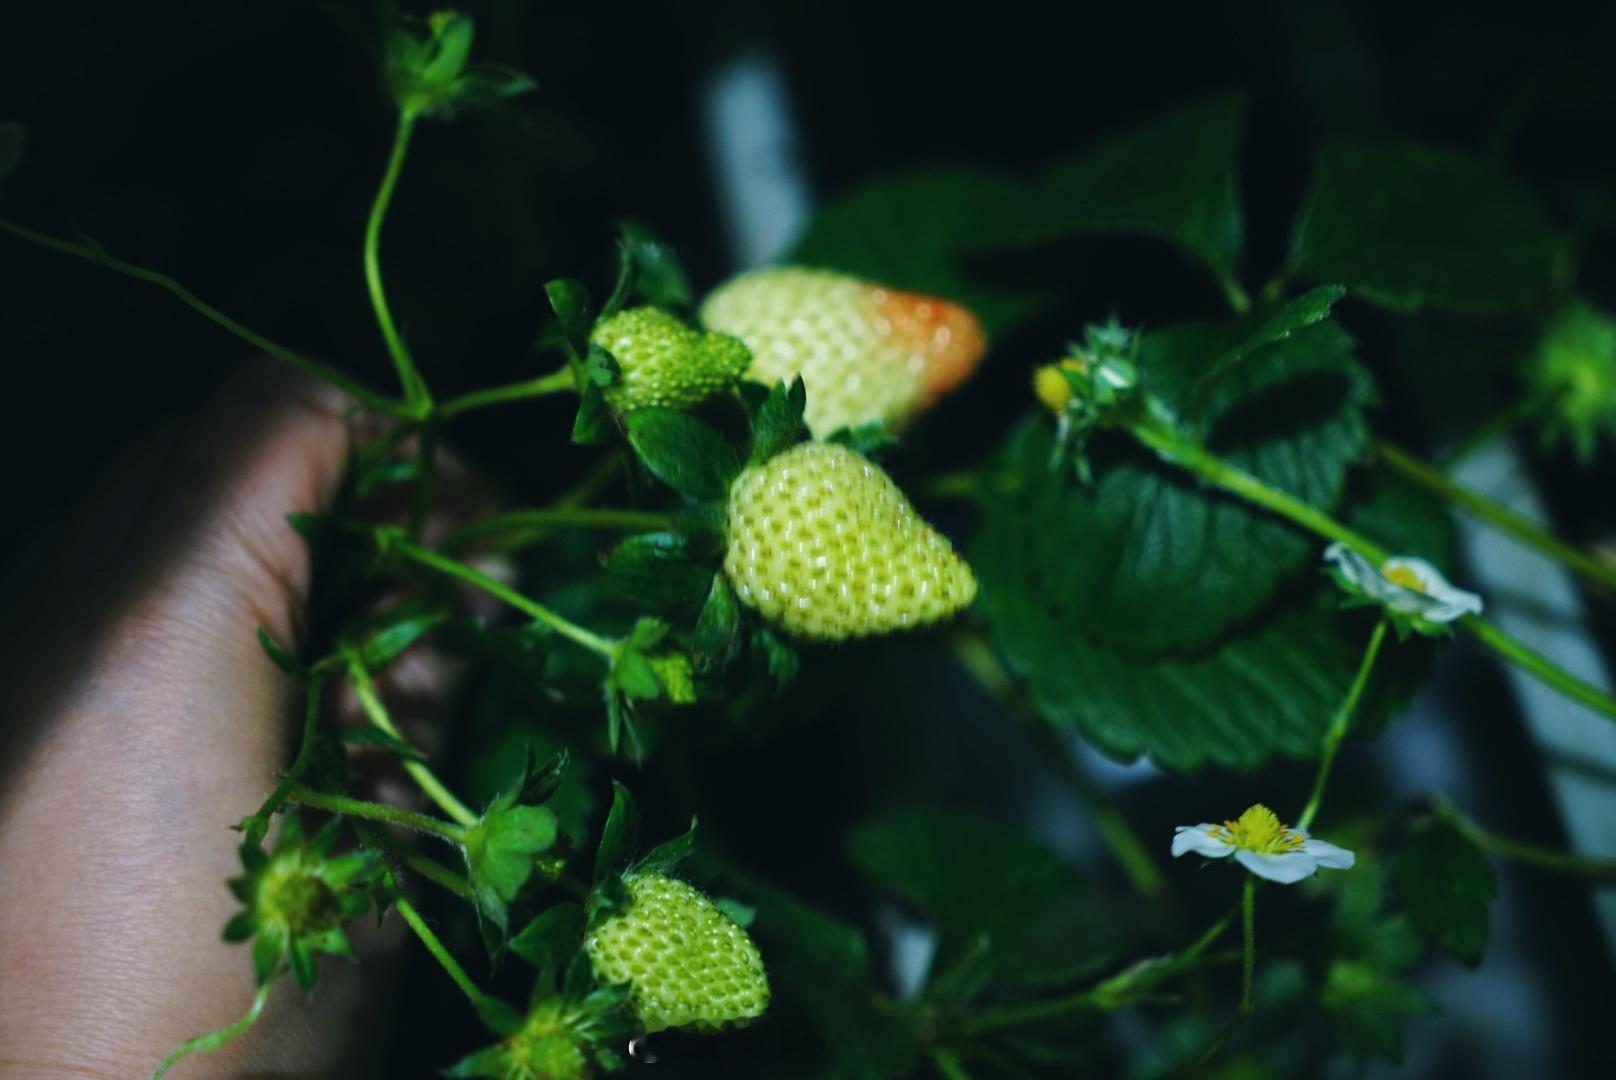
(570, 301)
(778, 423)
(500, 853)
(1447, 884)
(776, 656)
(914, 231)
(1145, 560)
(718, 628)
(549, 941)
(593, 425)
(379, 649)
(683, 452)
(666, 856)
(992, 894)
(370, 477)
(620, 837)
(277, 652)
(1408, 225)
(537, 785)
(866, 439)
(659, 570)
(305, 969)
(361, 735)
(1175, 177)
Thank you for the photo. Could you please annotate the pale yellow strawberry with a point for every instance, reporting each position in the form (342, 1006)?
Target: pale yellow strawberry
(823, 544)
(866, 353)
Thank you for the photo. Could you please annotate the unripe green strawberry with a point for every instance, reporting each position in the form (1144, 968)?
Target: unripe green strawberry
(866, 353)
(664, 362)
(688, 964)
(822, 543)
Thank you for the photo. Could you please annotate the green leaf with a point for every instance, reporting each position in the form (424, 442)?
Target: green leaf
(1174, 177)
(1146, 561)
(650, 272)
(683, 452)
(570, 301)
(866, 439)
(538, 785)
(1447, 884)
(620, 837)
(277, 652)
(915, 231)
(718, 629)
(995, 896)
(1367, 1006)
(361, 735)
(776, 656)
(633, 674)
(305, 969)
(549, 941)
(593, 425)
(1408, 225)
(660, 570)
(379, 649)
(500, 854)
(778, 423)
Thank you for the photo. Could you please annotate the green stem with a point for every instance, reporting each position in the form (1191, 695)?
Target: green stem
(455, 569)
(1500, 517)
(1519, 851)
(313, 694)
(547, 519)
(557, 382)
(949, 1065)
(1502, 424)
(974, 655)
(428, 868)
(1179, 451)
(440, 952)
(371, 702)
(1239, 302)
(1340, 723)
(215, 1039)
(356, 390)
(374, 811)
(1248, 940)
(415, 389)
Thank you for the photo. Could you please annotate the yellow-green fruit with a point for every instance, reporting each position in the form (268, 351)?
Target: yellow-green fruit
(823, 544)
(866, 353)
(687, 963)
(665, 363)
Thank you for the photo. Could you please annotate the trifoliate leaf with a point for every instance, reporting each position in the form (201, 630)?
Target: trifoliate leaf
(1447, 884)
(1408, 225)
(500, 854)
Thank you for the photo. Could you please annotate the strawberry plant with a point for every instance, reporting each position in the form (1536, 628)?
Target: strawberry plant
(773, 596)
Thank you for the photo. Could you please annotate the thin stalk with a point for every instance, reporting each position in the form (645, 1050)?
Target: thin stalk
(547, 519)
(434, 789)
(313, 695)
(1340, 723)
(1519, 851)
(440, 952)
(1178, 451)
(556, 382)
(1119, 837)
(1239, 302)
(949, 1065)
(426, 867)
(381, 812)
(354, 389)
(455, 569)
(1497, 427)
(215, 1039)
(1500, 517)
(415, 389)
(1248, 967)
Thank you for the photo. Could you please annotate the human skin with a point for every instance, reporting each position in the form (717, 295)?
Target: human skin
(142, 720)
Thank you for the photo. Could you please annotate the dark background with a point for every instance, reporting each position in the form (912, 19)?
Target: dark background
(237, 146)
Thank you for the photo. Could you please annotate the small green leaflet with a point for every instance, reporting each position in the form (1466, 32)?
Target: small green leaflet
(1447, 884)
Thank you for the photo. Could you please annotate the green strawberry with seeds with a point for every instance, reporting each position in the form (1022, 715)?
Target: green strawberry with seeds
(825, 545)
(663, 362)
(686, 962)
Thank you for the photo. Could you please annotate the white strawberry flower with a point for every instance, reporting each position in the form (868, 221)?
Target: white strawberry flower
(1404, 586)
(1261, 843)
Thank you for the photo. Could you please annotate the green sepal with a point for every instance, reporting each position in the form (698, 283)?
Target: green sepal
(687, 454)
(666, 856)
(775, 656)
(579, 981)
(594, 424)
(278, 653)
(267, 951)
(501, 1017)
(777, 422)
(489, 1063)
(398, 632)
(619, 837)
(569, 299)
(242, 925)
(868, 440)
(661, 569)
(647, 270)
(550, 939)
(718, 638)
(305, 969)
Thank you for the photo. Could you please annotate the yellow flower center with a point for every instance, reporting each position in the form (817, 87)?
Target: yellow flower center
(1259, 829)
(1403, 575)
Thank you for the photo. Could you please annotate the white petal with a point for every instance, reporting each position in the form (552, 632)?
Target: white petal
(1439, 602)
(1329, 856)
(1290, 867)
(1199, 839)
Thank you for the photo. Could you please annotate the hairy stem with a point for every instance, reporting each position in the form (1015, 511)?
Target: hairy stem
(1340, 723)
(415, 390)
(556, 382)
(532, 608)
(439, 951)
(379, 812)
(546, 519)
(434, 789)
(215, 1039)
(1500, 517)
(1520, 851)
(354, 389)
(313, 694)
